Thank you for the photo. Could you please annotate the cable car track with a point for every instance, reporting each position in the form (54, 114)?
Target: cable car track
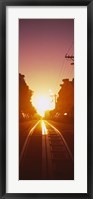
(55, 159)
(58, 157)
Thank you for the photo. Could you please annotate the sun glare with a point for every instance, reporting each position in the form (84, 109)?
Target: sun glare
(44, 129)
(42, 103)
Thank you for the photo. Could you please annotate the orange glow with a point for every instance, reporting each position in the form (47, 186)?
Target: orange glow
(42, 103)
(65, 113)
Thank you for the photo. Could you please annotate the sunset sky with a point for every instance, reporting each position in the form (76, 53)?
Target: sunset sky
(43, 44)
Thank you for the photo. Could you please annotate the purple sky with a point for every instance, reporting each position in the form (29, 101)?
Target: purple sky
(43, 44)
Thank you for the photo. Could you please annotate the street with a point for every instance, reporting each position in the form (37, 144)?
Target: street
(46, 151)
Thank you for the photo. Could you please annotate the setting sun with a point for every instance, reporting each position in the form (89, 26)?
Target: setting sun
(46, 99)
(42, 103)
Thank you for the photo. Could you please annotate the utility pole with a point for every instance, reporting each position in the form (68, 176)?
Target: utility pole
(70, 57)
(54, 97)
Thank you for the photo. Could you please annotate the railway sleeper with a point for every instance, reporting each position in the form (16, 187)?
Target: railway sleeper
(52, 134)
(55, 150)
(55, 136)
(56, 142)
(57, 155)
(56, 146)
(60, 158)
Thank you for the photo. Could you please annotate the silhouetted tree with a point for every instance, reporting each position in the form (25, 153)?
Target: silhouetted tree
(65, 101)
(26, 109)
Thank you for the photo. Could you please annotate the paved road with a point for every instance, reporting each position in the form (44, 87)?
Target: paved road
(45, 154)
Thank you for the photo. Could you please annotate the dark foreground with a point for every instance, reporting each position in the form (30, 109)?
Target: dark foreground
(46, 151)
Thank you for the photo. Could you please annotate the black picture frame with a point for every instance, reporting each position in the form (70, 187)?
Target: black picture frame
(3, 4)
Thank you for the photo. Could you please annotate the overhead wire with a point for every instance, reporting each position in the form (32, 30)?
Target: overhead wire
(68, 72)
(63, 69)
